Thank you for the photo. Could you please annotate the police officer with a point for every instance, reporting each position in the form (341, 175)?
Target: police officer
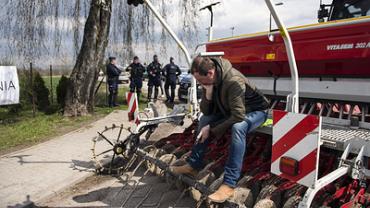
(136, 76)
(171, 71)
(113, 73)
(154, 75)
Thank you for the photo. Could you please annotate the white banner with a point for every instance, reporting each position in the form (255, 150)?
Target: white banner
(9, 85)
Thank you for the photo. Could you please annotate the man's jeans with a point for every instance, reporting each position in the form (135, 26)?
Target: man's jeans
(239, 131)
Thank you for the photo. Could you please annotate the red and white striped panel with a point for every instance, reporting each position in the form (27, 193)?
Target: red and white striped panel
(296, 136)
(133, 107)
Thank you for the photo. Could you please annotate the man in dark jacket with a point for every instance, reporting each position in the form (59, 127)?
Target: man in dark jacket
(154, 76)
(229, 101)
(136, 76)
(171, 71)
(113, 73)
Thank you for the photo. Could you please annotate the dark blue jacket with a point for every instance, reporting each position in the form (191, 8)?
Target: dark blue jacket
(171, 71)
(136, 71)
(113, 71)
(154, 71)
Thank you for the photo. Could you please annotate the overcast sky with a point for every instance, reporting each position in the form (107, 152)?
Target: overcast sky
(248, 16)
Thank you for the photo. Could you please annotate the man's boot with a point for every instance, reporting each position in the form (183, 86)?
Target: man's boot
(183, 169)
(223, 193)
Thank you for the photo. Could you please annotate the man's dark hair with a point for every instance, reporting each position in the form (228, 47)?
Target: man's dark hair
(136, 58)
(202, 65)
(111, 58)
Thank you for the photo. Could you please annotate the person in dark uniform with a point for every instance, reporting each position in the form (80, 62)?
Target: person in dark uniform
(113, 73)
(136, 70)
(154, 75)
(171, 71)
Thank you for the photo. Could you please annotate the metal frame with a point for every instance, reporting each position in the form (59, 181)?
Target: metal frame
(355, 168)
(293, 98)
(342, 89)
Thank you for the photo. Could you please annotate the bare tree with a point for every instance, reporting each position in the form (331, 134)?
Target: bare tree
(80, 93)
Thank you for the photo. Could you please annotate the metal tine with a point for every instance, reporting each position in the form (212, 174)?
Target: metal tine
(322, 108)
(130, 163)
(363, 113)
(111, 163)
(304, 107)
(352, 107)
(137, 182)
(160, 199)
(274, 104)
(181, 196)
(341, 109)
(200, 202)
(144, 198)
(131, 193)
(311, 108)
(330, 110)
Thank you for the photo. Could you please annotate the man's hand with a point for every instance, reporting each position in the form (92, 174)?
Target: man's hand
(209, 91)
(203, 134)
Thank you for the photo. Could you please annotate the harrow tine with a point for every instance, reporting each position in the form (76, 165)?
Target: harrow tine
(144, 198)
(200, 202)
(105, 138)
(131, 193)
(130, 163)
(119, 134)
(181, 196)
(159, 201)
(111, 163)
(104, 152)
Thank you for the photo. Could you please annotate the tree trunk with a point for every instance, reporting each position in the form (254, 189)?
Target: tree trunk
(80, 92)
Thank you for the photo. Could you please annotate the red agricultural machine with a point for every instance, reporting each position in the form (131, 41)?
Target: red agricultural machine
(314, 150)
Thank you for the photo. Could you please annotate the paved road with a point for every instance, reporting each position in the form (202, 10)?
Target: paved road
(38, 172)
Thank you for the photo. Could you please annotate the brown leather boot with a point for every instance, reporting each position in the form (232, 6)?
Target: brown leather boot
(183, 169)
(223, 193)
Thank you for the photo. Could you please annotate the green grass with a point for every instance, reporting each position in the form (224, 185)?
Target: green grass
(22, 130)
(55, 80)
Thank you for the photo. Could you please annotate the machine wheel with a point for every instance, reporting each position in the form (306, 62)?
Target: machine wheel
(109, 142)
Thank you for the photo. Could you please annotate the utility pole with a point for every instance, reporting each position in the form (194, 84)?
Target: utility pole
(232, 31)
